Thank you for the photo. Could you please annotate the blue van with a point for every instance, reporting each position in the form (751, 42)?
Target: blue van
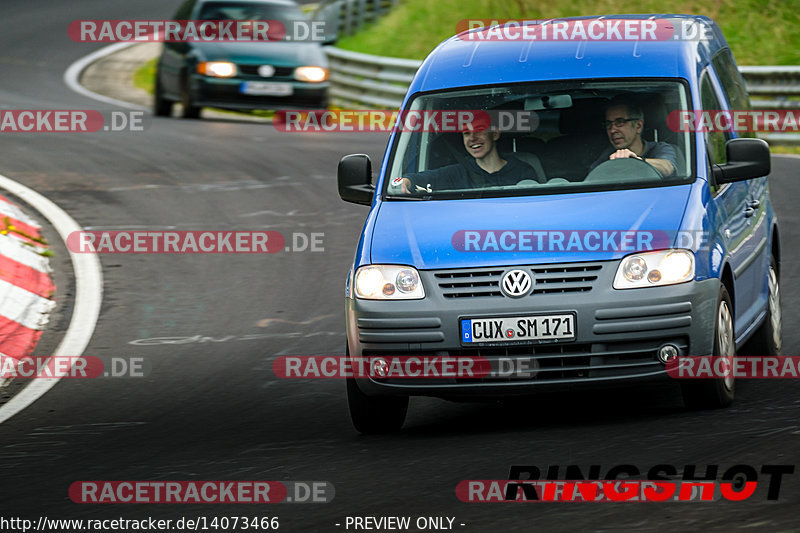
(588, 245)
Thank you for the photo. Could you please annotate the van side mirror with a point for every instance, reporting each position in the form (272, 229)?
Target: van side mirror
(747, 158)
(354, 177)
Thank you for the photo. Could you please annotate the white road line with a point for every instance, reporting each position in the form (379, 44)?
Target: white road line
(88, 296)
(73, 73)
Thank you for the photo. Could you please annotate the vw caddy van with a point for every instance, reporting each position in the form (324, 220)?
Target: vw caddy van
(582, 264)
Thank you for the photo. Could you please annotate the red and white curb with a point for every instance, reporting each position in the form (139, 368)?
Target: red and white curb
(88, 299)
(26, 289)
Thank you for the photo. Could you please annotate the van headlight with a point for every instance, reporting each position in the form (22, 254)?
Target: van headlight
(652, 269)
(388, 282)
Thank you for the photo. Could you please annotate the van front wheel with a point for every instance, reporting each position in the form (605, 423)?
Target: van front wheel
(713, 393)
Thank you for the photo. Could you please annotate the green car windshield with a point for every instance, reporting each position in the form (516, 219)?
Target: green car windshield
(249, 11)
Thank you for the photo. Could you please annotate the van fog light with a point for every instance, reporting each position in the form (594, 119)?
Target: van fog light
(667, 353)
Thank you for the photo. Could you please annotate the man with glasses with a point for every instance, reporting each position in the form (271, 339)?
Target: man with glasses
(624, 123)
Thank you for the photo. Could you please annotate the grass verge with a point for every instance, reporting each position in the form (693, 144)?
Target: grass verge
(760, 32)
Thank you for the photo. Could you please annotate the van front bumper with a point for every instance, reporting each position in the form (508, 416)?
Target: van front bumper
(618, 333)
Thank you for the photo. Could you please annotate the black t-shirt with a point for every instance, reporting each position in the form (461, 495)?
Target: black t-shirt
(471, 176)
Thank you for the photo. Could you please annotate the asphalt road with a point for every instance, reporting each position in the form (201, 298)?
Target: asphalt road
(211, 408)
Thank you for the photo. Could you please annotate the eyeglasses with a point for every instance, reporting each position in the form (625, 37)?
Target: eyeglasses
(618, 123)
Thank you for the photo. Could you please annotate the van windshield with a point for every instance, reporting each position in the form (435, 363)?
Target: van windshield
(540, 138)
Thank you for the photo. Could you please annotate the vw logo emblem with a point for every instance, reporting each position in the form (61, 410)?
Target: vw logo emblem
(516, 283)
(265, 71)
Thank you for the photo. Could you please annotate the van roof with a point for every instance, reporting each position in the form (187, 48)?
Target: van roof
(461, 61)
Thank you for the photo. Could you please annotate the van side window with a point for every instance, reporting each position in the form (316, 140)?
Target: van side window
(733, 83)
(731, 80)
(715, 140)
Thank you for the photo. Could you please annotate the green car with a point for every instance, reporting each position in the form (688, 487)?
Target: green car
(290, 71)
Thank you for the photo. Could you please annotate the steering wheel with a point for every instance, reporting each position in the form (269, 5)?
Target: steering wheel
(623, 170)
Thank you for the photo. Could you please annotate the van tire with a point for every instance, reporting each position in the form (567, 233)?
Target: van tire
(714, 393)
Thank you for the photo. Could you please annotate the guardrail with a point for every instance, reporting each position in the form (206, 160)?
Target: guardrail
(363, 80)
(781, 83)
(348, 16)
(774, 87)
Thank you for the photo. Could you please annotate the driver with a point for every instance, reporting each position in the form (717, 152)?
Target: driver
(486, 167)
(624, 123)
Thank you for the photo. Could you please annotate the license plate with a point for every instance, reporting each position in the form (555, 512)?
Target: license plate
(517, 329)
(266, 88)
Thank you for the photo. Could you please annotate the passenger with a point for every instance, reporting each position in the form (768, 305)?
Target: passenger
(486, 167)
(624, 123)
